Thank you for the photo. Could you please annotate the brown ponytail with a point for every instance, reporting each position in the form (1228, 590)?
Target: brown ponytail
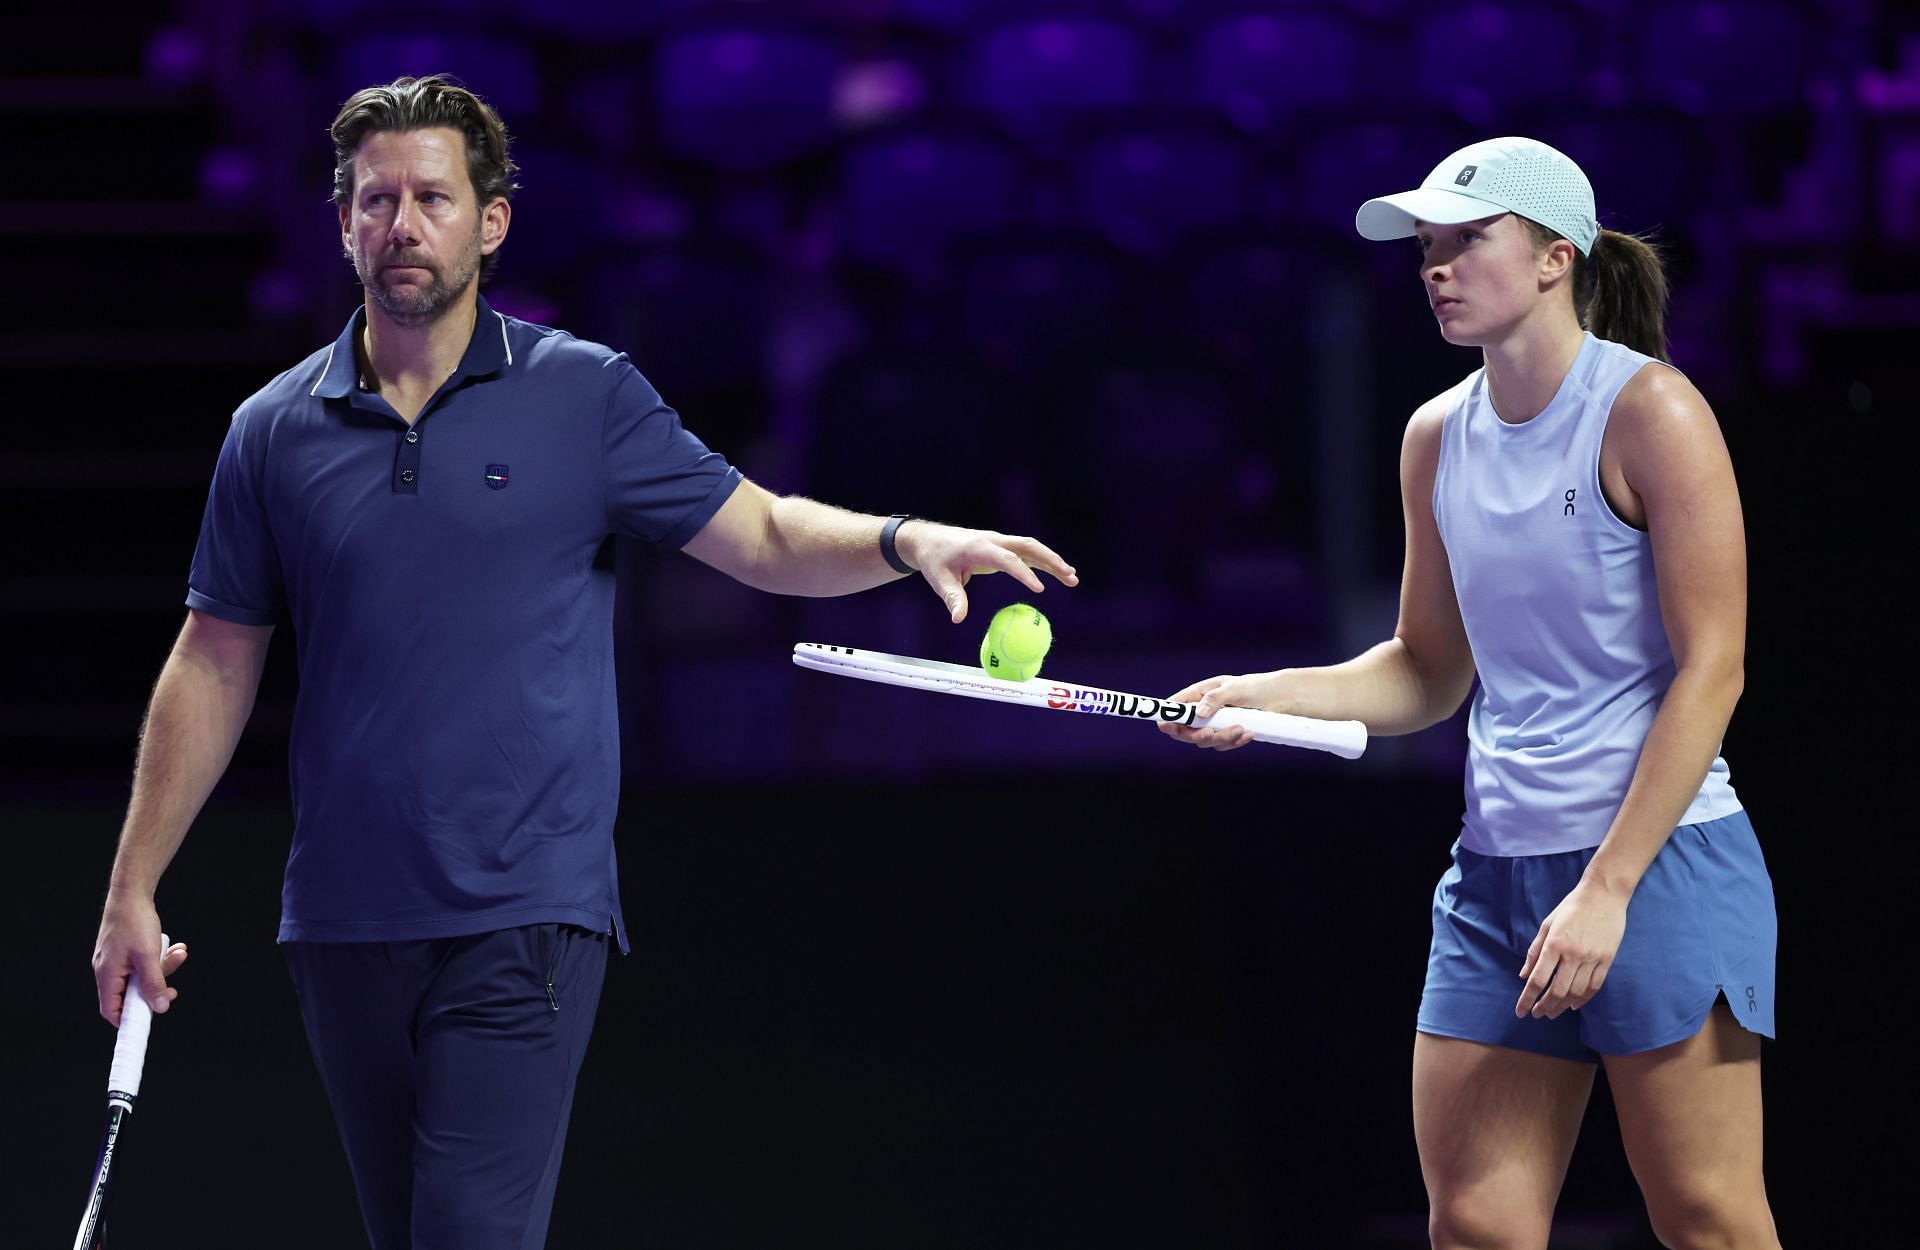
(1621, 293)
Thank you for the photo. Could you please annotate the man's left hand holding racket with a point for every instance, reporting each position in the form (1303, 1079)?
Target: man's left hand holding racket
(131, 962)
(130, 943)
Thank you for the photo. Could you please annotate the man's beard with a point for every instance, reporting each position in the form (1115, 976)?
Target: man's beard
(411, 304)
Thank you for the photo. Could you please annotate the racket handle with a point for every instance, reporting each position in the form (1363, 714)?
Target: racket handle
(130, 1047)
(1344, 738)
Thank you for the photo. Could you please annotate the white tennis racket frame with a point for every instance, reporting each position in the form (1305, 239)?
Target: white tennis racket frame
(1345, 738)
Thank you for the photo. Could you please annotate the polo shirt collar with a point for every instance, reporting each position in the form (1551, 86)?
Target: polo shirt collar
(488, 353)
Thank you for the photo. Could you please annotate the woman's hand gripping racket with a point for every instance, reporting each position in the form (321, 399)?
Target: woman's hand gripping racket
(1347, 739)
(123, 1086)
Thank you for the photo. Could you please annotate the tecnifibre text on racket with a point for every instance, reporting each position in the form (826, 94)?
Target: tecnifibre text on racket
(123, 1086)
(1345, 738)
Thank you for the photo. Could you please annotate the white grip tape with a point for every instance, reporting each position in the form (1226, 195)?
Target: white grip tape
(1345, 738)
(130, 1047)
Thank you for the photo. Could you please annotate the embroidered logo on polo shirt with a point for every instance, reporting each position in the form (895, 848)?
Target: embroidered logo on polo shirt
(496, 477)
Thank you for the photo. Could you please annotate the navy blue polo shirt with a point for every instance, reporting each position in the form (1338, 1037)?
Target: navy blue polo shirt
(455, 749)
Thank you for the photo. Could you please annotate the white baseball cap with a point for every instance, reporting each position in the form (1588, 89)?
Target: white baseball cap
(1513, 175)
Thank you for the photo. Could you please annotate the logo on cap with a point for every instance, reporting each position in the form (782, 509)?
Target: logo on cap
(1466, 176)
(496, 476)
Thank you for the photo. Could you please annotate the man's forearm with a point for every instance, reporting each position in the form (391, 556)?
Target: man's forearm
(192, 726)
(795, 546)
(818, 550)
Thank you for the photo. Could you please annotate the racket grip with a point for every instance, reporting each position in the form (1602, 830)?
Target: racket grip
(1344, 738)
(130, 1047)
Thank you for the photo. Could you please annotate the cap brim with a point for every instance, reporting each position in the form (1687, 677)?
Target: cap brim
(1394, 216)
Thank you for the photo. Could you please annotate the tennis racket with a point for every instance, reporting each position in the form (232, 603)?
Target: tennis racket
(1345, 738)
(123, 1086)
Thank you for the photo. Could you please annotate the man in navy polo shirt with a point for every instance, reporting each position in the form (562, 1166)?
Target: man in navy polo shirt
(422, 500)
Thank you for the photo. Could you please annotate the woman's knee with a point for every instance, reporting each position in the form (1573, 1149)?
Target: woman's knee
(1705, 1214)
(1485, 1221)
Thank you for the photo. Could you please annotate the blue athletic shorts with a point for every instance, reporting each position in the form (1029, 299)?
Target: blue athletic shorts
(1701, 926)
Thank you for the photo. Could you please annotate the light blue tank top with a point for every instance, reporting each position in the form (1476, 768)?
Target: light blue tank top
(1562, 611)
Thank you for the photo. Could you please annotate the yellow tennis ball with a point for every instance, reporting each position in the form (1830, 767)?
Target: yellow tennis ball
(1017, 640)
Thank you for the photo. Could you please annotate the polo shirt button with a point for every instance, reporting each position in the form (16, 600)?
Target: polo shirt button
(406, 475)
(413, 436)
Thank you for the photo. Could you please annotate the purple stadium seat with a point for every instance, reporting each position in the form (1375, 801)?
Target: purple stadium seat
(1040, 76)
(1258, 69)
(907, 196)
(1143, 432)
(1486, 58)
(561, 213)
(596, 22)
(1130, 415)
(693, 316)
(1041, 300)
(1717, 59)
(745, 95)
(497, 69)
(1167, 14)
(887, 419)
(947, 16)
(340, 16)
(1146, 188)
(1250, 300)
(610, 108)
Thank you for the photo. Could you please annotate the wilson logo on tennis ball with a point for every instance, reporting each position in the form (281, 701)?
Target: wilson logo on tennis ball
(1108, 703)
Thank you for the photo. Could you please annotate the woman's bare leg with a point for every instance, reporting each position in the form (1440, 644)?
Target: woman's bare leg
(1495, 1129)
(1690, 1120)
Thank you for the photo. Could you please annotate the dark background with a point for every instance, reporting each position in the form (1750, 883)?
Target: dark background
(917, 972)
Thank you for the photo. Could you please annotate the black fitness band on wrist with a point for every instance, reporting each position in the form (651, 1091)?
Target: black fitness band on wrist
(887, 549)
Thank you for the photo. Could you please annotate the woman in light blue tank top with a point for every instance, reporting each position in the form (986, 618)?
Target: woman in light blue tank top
(1574, 542)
